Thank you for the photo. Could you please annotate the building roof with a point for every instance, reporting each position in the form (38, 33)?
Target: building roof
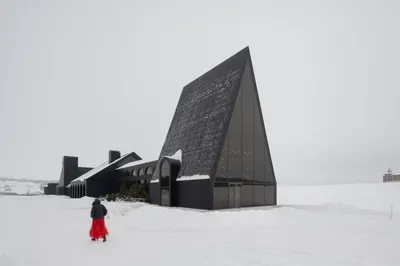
(139, 162)
(202, 116)
(102, 167)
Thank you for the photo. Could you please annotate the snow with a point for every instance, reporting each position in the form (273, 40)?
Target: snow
(193, 177)
(134, 163)
(319, 225)
(97, 170)
(176, 156)
(14, 187)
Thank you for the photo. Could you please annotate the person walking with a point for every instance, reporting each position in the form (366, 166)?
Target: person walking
(98, 229)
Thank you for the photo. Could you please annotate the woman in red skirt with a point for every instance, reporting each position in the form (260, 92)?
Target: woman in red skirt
(98, 230)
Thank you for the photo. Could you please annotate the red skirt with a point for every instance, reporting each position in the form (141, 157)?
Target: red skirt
(98, 229)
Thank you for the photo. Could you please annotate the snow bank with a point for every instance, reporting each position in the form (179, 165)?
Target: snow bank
(13, 187)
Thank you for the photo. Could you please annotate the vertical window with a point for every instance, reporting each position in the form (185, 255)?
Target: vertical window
(149, 171)
(165, 172)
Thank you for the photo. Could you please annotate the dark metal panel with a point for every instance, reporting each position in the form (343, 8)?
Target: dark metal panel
(113, 155)
(269, 170)
(259, 195)
(69, 171)
(50, 189)
(247, 196)
(99, 186)
(259, 141)
(195, 194)
(155, 193)
(221, 196)
(247, 126)
(270, 195)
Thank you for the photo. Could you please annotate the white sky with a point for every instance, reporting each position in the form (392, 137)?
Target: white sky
(83, 77)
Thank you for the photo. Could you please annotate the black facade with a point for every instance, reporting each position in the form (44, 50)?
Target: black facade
(102, 180)
(50, 189)
(70, 171)
(215, 155)
(219, 128)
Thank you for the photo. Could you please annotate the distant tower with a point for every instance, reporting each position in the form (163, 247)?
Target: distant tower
(387, 176)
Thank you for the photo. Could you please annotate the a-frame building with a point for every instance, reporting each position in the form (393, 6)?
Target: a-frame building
(219, 134)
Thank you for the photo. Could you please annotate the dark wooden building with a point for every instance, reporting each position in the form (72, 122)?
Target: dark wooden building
(215, 155)
(218, 128)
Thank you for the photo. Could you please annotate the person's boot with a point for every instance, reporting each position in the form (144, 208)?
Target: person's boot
(104, 239)
(93, 239)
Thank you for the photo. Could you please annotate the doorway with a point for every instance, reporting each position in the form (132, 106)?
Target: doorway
(168, 184)
(235, 192)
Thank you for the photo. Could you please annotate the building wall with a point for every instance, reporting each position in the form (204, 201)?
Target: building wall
(196, 194)
(70, 171)
(245, 173)
(83, 170)
(391, 178)
(155, 193)
(50, 189)
(60, 190)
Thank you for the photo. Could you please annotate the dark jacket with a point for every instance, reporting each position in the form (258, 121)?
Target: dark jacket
(99, 211)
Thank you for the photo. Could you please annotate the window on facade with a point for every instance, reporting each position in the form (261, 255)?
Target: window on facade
(134, 172)
(149, 171)
(141, 171)
(165, 169)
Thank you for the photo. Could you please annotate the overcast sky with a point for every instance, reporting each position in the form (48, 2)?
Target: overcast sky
(82, 77)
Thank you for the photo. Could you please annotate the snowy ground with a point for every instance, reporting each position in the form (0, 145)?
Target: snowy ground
(321, 225)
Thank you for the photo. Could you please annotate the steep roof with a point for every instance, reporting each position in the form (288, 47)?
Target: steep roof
(139, 162)
(103, 166)
(202, 117)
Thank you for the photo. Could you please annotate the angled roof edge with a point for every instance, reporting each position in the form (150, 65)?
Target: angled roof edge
(257, 98)
(136, 163)
(250, 67)
(245, 50)
(242, 56)
(102, 167)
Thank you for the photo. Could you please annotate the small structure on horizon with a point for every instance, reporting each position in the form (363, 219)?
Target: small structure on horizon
(390, 177)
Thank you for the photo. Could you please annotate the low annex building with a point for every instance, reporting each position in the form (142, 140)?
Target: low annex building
(215, 155)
